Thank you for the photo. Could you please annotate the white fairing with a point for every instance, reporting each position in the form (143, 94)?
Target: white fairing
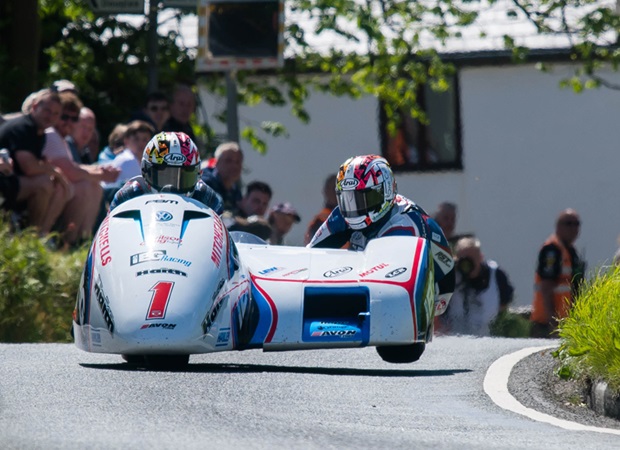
(156, 266)
(164, 277)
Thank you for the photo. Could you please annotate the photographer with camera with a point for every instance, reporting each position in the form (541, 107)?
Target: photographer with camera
(482, 292)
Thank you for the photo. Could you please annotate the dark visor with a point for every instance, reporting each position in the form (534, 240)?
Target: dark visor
(360, 202)
(182, 179)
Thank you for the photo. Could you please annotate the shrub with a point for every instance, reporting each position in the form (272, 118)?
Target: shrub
(590, 335)
(37, 287)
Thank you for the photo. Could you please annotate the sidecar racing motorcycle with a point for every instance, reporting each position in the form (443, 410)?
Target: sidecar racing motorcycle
(164, 279)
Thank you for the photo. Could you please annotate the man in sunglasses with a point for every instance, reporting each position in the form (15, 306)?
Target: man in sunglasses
(558, 275)
(156, 110)
(78, 217)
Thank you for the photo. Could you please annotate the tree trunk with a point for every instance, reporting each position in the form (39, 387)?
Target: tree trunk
(20, 40)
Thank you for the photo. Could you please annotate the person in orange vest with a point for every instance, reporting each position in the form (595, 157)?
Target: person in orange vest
(558, 275)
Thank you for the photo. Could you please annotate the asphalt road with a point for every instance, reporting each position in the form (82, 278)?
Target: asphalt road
(55, 396)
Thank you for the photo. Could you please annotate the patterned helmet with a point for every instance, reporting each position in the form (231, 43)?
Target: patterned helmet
(171, 160)
(365, 188)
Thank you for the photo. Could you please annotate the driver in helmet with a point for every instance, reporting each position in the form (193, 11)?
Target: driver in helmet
(171, 163)
(369, 207)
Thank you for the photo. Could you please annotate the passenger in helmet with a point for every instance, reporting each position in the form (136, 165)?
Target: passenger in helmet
(369, 207)
(171, 163)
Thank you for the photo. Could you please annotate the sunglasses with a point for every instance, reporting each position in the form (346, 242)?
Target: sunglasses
(571, 223)
(66, 117)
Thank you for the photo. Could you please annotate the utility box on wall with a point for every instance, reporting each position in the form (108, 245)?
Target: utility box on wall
(234, 34)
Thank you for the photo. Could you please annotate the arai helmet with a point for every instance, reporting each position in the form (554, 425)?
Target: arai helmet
(171, 159)
(365, 189)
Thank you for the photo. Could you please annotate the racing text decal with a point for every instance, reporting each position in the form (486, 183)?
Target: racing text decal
(104, 242)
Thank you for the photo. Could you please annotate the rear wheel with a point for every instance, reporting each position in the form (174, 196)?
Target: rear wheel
(399, 354)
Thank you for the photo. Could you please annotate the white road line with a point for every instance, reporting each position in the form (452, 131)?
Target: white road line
(496, 387)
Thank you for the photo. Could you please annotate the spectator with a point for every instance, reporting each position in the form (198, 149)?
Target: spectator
(158, 174)
(250, 210)
(116, 144)
(281, 219)
(81, 137)
(33, 192)
(482, 292)
(225, 177)
(93, 147)
(182, 107)
(137, 135)
(329, 203)
(558, 275)
(156, 110)
(25, 137)
(256, 200)
(58, 87)
(126, 145)
(369, 207)
(80, 212)
(445, 216)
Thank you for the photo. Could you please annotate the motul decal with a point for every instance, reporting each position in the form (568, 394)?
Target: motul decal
(373, 270)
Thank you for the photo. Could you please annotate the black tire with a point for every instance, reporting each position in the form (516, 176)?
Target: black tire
(166, 362)
(134, 359)
(158, 362)
(401, 354)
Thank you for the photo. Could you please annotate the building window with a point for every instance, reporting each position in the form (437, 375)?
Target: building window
(427, 148)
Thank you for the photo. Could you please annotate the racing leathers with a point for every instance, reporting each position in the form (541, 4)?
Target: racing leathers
(138, 186)
(404, 219)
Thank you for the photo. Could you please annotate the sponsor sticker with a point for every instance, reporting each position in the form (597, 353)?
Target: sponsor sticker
(163, 216)
(349, 183)
(223, 337)
(396, 272)
(170, 202)
(270, 270)
(373, 269)
(161, 271)
(294, 272)
(154, 255)
(334, 329)
(175, 159)
(161, 239)
(337, 272)
(163, 326)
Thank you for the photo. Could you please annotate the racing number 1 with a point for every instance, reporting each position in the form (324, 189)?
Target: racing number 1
(159, 301)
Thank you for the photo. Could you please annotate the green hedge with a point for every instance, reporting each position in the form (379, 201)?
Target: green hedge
(37, 287)
(590, 335)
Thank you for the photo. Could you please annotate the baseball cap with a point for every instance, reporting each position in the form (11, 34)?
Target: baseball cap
(286, 208)
(64, 86)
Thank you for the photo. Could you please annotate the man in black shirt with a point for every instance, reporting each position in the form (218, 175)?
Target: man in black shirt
(24, 137)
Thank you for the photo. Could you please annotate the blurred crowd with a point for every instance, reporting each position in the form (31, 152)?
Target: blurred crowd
(57, 175)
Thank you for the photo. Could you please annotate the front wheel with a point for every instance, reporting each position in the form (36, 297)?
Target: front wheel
(400, 354)
(158, 362)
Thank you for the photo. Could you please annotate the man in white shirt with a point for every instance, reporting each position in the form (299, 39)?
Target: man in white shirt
(137, 135)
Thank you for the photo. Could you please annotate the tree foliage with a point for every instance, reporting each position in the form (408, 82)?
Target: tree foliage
(376, 47)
